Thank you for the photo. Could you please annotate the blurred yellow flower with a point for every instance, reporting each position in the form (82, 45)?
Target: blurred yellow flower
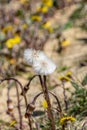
(24, 26)
(48, 26)
(44, 104)
(12, 41)
(44, 9)
(48, 3)
(36, 18)
(65, 119)
(7, 28)
(64, 78)
(17, 39)
(24, 1)
(65, 43)
(67, 77)
(50, 30)
(69, 74)
(13, 123)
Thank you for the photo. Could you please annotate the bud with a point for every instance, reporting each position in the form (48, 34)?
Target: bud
(30, 109)
(10, 105)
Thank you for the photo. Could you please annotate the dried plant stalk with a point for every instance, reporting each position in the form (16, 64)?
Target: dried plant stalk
(46, 95)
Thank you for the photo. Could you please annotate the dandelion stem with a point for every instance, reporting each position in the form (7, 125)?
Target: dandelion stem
(46, 94)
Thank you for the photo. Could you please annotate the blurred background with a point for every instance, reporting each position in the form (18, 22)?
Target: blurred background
(58, 27)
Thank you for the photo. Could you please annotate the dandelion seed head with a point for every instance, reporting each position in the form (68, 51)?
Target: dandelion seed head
(44, 66)
(28, 56)
(31, 55)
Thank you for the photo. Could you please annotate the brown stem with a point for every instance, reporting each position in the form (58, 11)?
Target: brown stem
(26, 88)
(59, 109)
(30, 123)
(8, 102)
(58, 102)
(21, 86)
(19, 109)
(46, 94)
(63, 127)
(65, 97)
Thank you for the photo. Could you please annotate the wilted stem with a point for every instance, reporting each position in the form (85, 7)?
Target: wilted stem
(9, 101)
(46, 95)
(65, 97)
(21, 86)
(26, 88)
(19, 109)
(58, 102)
(2, 80)
(63, 127)
(30, 123)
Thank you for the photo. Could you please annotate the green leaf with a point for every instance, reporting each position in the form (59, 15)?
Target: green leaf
(75, 85)
(84, 82)
(77, 14)
(68, 25)
(20, 13)
(62, 68)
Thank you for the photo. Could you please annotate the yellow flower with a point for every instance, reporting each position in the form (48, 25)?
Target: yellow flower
(69, 74)
(65, 119)
(44, 9)
(12, 41)
(48, 3)
(44, 104)
(17, 39)
(7, 28)
(64, 78)
(47, 25)
(13, 123)
(24, 1)
(24, 26)
(50, 30)
(65, 43)
(36, 18)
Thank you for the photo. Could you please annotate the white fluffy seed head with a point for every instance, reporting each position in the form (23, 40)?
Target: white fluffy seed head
(28, 56)
(44, 66)
(31, 55)
(40, 62)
